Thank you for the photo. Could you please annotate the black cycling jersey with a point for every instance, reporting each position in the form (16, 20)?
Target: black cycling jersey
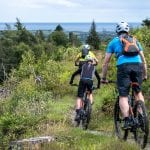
(88, 70)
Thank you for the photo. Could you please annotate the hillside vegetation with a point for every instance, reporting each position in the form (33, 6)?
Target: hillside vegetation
(41, 101)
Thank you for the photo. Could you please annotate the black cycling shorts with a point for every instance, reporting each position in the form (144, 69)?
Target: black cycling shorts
(127, 73)
(83, 84)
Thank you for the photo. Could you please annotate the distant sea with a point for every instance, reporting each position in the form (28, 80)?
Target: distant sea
(78, 27)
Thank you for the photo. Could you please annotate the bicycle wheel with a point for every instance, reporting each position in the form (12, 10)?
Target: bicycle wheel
(79, 122)
(142, 131)
(118, 121)
(87, 115)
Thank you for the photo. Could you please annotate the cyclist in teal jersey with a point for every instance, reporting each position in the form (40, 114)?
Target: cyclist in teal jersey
(129, 69)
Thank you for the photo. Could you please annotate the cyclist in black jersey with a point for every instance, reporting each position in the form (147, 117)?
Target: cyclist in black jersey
(80, 60)
(86, 82)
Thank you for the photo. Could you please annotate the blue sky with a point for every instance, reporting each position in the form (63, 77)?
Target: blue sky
(74, 10)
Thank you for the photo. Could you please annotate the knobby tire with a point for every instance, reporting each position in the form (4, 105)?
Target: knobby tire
(142, 132)
(118, 122)
(88, 110)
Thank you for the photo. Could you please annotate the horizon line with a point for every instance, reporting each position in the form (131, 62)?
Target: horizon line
(68, 22)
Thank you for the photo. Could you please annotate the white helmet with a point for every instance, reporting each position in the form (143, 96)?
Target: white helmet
(86, 46)
(88, 58)
(122, 26)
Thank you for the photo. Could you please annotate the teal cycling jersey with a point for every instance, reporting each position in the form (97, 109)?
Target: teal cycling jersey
(115, 46)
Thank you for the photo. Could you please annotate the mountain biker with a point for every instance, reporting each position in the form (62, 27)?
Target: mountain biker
(80, 60)
(129, 69)
(86, 82)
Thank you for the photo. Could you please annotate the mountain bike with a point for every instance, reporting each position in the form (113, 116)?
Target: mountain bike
(138, 120)
(85, 111)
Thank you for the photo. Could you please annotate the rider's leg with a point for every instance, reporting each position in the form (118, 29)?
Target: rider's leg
(137, 79)
(89, 88)
(124, 105)
(139, 96)
(98, 79)
(123, 84)
(74, 74)
(78, 103)
(80, 95)
(90, 96)
(78, 108)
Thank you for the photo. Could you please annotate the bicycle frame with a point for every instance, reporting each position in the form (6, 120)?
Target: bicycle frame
(131, 101)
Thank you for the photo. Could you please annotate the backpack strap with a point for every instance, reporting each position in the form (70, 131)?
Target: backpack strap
(135, 43)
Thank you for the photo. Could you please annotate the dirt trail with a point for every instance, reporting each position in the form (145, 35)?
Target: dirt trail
(36, 142)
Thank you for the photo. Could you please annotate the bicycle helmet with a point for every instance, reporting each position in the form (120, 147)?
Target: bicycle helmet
(88, 58)
(122, 26)
(86, 46)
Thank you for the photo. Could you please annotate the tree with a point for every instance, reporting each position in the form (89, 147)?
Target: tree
(13, 43)
(93, 38)
(59, 28)
(146, 22)
(39, 36)
(19, 25)
(59, 38)
(23, 34)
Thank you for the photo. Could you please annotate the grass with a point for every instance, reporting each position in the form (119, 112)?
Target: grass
(77, 139)
(59, 124)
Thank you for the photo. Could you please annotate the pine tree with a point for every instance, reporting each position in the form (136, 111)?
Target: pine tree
(19, 25)
(58, 37)
(93, 38)
(59, 28)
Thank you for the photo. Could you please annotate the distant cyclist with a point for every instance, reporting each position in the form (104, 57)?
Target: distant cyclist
(131, 65)
(86, 82)
(80, 60)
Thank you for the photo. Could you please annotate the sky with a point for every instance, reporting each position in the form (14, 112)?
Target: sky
(74, 10)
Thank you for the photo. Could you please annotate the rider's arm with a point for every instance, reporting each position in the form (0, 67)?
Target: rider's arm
(98, 79)
(144, 64)
(105, 65)
(77, 59)
(95, 62)
(143, 60)
(94, 57)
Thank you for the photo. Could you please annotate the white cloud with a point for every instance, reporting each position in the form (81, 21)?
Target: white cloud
(73, 10)
(43, 3)
(66, 3)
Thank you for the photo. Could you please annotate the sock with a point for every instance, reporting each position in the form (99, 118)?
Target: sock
(126, 118)
(77, 111)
